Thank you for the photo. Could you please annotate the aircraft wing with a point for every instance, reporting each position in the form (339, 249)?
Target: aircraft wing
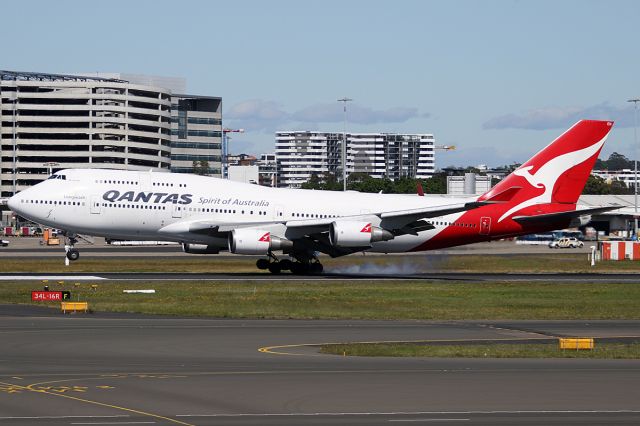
(559, 216)
(313, 233)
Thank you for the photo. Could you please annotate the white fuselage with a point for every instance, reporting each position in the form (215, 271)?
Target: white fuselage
(141, 205)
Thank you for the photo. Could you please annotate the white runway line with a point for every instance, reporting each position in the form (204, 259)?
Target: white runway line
(63, 417)
(50, 277)
(428, 420)
(115, 423)
(412, 413)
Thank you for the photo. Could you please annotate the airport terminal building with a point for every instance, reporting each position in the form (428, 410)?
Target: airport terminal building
(301, 154)
(130, 122)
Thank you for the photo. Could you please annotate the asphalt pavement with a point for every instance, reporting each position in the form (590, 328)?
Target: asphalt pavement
(132, 369)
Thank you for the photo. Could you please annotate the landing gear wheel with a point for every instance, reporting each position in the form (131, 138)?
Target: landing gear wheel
(262, 264)
(286, 264)
(299, 268)
(73, 254)
(274, 268)
(316, 268)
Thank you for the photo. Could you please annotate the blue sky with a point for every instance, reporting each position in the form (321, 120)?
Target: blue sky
(498, 79)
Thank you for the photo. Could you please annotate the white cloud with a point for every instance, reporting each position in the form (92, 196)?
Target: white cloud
(268, 116)
(562, 117)
(257, 114)
(331, 113)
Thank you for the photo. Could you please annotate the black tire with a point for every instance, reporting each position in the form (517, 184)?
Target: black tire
(298, 268)
(274, 268)
(73, 254)
(262, 264)
(316, 268)
(285, 264)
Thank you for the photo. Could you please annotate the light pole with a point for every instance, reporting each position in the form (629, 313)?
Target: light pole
(344, 143)
(635, 162)
(225, 150)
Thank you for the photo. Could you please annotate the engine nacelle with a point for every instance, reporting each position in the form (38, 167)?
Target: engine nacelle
(255, 241)
(200, 249)
(580, 221)
(356, 234)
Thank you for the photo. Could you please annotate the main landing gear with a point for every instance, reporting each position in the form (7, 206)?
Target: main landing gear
(299, 266)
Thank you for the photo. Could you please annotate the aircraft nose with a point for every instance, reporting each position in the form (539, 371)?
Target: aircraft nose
(14, 203)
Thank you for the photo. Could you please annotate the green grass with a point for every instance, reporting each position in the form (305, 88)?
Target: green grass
(601, 350)
(554, 261)
(132, 264)
(354, 299)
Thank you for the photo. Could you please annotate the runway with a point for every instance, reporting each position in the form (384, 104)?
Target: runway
(559, 278)
(131, 369)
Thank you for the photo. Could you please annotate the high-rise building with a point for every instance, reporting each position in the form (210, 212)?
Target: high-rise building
(51, 122)
(123, 121)
(196, 124)
(196, 133)
(302, 154)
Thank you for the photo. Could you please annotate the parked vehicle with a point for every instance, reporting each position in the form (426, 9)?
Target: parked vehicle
(566, 242)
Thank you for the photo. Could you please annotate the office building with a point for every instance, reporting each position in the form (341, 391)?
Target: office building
(625, 175)
(302, 154)
(51, 122)
(196, 133)
(268, 170)
(119, 121)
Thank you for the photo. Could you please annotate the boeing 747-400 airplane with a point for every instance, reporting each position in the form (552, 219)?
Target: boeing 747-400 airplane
(209, 215)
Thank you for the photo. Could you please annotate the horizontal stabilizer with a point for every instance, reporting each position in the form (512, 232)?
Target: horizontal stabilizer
(503, 196)
(567, 215)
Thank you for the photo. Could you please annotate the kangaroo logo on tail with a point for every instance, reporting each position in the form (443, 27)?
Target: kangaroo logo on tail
(547, 175)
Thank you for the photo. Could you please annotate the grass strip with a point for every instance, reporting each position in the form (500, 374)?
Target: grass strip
(600, 351)
(554, 261)
(344, 299)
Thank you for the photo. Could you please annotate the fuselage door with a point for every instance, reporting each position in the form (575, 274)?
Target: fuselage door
(485, 225)
(278, 213)
(144, 181)
(95, 204)
(177, 210)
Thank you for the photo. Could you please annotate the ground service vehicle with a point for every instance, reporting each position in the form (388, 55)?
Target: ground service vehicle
(566, 242)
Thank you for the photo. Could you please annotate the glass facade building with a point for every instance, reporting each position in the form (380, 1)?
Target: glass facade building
(196, 133)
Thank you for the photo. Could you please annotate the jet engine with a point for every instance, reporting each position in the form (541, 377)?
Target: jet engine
(200, 249)
(580, 221)
(356, 234)
(255, 241)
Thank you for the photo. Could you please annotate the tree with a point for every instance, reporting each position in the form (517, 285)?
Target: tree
(618, 187)
(313, 182)
(436, 184)
(595, 186)
(201, 167)
(615, 162)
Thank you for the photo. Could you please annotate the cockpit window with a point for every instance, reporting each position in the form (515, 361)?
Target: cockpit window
(57, 176)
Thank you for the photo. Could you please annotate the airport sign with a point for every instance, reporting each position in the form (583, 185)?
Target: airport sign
(50, 296)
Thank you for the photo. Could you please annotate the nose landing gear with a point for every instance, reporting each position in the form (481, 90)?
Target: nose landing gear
(71, 253)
